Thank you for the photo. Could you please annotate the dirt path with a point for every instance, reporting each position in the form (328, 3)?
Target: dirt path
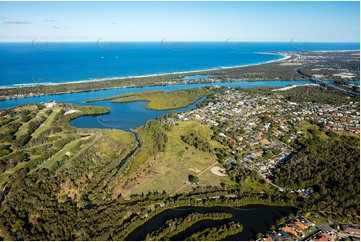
(187, 182)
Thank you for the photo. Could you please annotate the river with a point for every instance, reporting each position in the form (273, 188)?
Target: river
(254, 218)
(127, 116)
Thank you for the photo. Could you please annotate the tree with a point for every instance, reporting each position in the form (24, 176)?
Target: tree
(193, 179)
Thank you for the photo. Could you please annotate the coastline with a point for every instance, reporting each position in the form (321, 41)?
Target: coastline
(261, 71)
(285, 57)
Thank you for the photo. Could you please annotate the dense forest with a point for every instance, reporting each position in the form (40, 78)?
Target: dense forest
(329, 164)
(319, 94)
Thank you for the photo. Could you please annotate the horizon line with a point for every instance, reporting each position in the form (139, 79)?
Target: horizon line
(163, 40)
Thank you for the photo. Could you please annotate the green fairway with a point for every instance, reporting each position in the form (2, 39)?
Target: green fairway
(47, 123)
(59, 155)
(24, 128)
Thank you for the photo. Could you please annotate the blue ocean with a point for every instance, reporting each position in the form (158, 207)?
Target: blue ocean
(40, 62)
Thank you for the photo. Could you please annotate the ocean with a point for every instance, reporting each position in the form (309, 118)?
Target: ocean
(40, 62)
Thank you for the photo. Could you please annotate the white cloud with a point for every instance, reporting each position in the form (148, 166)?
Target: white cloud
(14, 21)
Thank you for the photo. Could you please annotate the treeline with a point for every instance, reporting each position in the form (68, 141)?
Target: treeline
(32, 209)
(46, 136)
(329, 164)
(22, 140)
(321, 95)
(174, 226)
(84, 111)
(217, 233)
(200, 197)
(9, 132)
(11, 160)
(151, 139)
(197, 141)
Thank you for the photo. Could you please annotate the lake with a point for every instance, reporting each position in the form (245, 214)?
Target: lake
(254, 218)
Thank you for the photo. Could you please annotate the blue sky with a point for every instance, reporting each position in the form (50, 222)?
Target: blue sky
(192, 21)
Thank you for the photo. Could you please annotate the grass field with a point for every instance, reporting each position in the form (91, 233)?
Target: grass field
(258, 186)
(308, 126)
(178, 161)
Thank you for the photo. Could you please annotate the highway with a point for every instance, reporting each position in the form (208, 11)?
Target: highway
(323, 83)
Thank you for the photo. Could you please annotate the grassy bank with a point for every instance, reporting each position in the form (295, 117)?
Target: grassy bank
(160, 100)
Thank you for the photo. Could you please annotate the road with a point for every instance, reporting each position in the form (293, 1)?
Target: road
(320, 82)
(309, 235)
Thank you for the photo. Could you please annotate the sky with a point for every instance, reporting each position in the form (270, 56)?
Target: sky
(186, 21)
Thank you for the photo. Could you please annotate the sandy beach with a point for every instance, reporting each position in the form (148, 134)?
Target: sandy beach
(293, 86)
(285, 57)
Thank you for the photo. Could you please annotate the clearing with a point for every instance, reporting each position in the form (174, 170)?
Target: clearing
(171, 168)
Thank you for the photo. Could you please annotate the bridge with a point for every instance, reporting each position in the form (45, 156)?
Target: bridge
(324, 83)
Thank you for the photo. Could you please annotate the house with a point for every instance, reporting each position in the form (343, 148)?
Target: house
(267, 239)
(295, 227)
(50, 104)
(301, 225)
(276, 237)
(320, 237)
(354, 231)
(350, 229)
(289, 230)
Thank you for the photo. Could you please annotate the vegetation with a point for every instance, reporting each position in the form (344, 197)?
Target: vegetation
(175, 226)
(154, 169)
(197, 141)
(129, 94)
(318, 95)
(62, 179)
(193, 179)
(160, 100)
(45, 178)
(329, 164)
(217, 233)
